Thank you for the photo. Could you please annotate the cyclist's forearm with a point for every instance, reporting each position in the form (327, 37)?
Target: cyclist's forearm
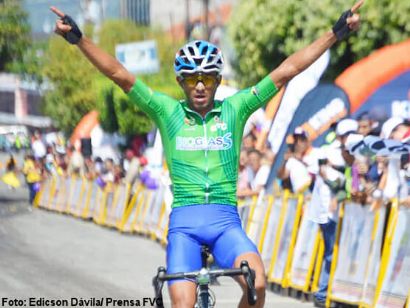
(302, 59)
(106, 64)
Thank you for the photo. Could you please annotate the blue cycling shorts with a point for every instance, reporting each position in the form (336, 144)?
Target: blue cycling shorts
(215, 225)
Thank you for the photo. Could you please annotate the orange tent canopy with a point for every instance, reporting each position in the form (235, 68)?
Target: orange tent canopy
(363, 78)
(85, 126)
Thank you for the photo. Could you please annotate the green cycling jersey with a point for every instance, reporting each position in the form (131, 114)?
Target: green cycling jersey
(202, 153)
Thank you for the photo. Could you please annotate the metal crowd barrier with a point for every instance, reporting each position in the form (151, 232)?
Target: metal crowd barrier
(371, 259)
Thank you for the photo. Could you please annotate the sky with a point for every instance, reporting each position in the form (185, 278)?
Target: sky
(42, 19)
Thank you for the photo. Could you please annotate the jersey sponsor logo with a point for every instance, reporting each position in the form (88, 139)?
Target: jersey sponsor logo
(219, 125)
(222, 126)
(218, 143)
(189, 121)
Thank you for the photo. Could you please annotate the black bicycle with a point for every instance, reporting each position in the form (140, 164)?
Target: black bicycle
(204, 277)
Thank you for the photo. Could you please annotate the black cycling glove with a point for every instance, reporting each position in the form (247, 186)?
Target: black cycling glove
(75, 34)
(341, 28)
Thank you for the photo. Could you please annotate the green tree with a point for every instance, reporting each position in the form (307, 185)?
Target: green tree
(265, 32)
(14, 33)
(118, 114)
(115, 109)
(72, 92)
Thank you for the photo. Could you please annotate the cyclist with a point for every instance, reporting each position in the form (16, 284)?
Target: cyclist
(202, 140)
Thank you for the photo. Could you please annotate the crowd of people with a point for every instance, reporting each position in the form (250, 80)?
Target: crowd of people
(363, 179)
(44, 158)
(330, 174)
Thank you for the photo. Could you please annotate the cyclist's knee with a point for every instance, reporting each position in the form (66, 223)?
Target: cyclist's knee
(182, 303)
(260, 283)
(183, 294)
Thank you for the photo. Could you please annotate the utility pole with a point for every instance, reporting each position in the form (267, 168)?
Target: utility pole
(206, 10)
(103, 5)
(187, 20)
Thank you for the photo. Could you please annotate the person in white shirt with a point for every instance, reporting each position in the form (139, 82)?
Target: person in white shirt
(38, 147)
(323, 205)
(258, 174)
(395, 128)
(300, 162)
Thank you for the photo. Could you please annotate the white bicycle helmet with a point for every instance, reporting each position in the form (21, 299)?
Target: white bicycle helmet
(198, 56)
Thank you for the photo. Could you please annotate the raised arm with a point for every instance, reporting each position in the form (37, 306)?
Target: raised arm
(102, 60)
(302, 59)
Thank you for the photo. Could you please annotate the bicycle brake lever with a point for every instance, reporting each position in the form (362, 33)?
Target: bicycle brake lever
(249, 275)
(158, 284)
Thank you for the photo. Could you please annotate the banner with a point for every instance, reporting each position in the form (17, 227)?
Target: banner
(62, 195)
(304, 255)
(245, 209)
(44, 194)
(152, 217)
(138, 57)
(284, 240)
(374, 259)
(256, 221)
(272, 228)
(142, 210)
(396, 283)
(76, 187)
(116, 211)
(83, 199)
(354, 247)
(296, 89)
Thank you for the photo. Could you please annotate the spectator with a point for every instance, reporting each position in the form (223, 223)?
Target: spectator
(394, 128)
(10, 177)
(118, 172)
(99, 165)
(243, 183)
(90, 172)
(132, 167)
(257, 173)
(107, 175)
(49, 162)
(301, 162)
(38, 147)
(248, 142)
(394, 184)
(76, 165)
(323, 206)
(61, 164)
(366, 124)
(32, 174)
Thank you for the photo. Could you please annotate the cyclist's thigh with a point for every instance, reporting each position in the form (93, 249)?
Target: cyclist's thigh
(232, 243)
(183, 254)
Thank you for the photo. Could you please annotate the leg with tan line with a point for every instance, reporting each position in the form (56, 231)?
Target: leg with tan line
(255, 263)
(183, 294)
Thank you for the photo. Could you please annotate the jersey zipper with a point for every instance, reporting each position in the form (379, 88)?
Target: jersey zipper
(205, 154)
(206, 160)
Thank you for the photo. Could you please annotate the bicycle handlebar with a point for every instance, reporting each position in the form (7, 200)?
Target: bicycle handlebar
(245, 270)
